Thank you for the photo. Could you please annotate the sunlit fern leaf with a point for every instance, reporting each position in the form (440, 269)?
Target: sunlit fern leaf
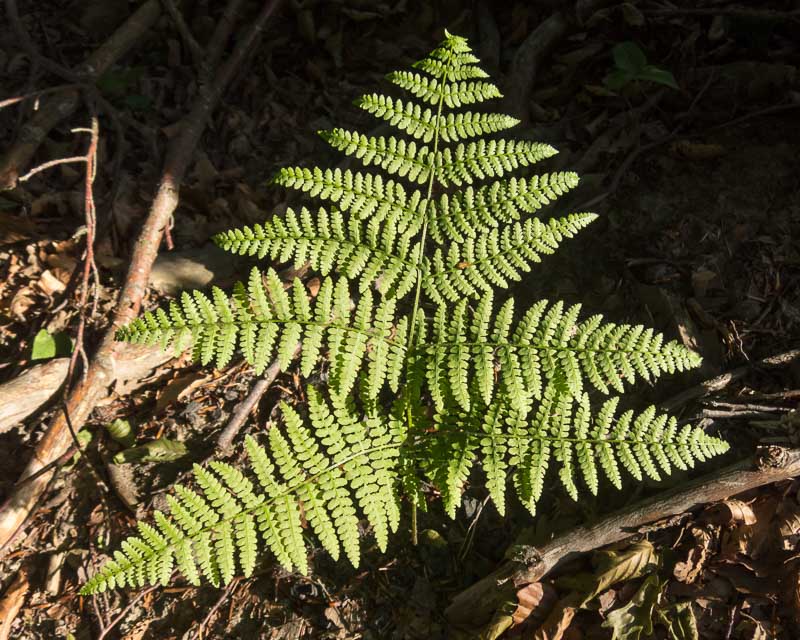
(496, 258)
(364, 195)
(383, 257)
(558, 431)
(265, 321)
(345, 461)
(548, 344)
(466, 163)
(425, 379)
(472, 211)
(453, 94)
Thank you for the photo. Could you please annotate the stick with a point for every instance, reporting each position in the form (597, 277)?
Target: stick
(102, 371)
(721, 381)
(527, 60)
(528, 564)
(239, 417)
(34, 132)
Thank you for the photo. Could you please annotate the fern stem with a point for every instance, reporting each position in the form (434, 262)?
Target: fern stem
(418, 288)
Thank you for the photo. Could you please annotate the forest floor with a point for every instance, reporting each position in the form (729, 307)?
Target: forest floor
(698, 191)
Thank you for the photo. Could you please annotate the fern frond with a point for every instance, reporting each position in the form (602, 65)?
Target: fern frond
(263, 319)
(328, 243)
(560, 429)
(470, 384)
(547, 344)
(345, 463)
(497, 257)
(394, 156)
(466, 163)
(365, 195)
(470, 212)
(454, 94)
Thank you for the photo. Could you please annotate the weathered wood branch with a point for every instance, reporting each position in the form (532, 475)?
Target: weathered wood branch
(475, 606)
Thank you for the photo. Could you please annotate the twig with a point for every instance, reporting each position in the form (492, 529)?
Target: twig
(192, 45)
(49, 165)
(721, 381)
(115, 621)
(102, 372)
(528, 564)
(37, 94)
(198, 634)
(239, 417)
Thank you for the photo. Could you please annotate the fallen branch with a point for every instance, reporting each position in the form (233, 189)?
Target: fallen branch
(30, 391)
(103, 370)
(34, 132)
(245, 408)
(723, 380)
(476, 605)
(527, 60)
(12, 601)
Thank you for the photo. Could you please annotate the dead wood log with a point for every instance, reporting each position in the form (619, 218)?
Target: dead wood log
(103, 369)
(29, 391)
(62, 105)
(475, 606)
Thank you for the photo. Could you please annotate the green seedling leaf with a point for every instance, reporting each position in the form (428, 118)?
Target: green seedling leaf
(122, 431)
(659, 76)
(161, 450)
(617, 79)
(47, 346)
(629, 57)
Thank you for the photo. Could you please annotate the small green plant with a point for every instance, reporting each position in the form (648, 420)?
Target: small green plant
(424, 375)
(630, 64)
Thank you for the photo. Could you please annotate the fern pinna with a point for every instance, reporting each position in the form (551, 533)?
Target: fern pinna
(427, 375)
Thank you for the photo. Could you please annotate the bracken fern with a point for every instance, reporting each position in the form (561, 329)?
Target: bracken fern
(426, 375)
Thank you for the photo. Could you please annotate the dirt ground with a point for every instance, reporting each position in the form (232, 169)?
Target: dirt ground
(698, 191)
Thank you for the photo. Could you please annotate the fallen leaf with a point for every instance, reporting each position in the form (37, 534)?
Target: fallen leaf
(49, 284)
(557, 623)
(533, 599)
(687, 571)
(615, 566)
(729, 512)
(160, 450)
(789, 524)
(680, 621)
(635, 620)
(178, 388)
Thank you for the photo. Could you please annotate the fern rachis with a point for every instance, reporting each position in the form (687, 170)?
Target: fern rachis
(426, 375)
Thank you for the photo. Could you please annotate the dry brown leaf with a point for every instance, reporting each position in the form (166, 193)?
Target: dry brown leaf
(789, 524)
(533, 600)
(178, 388)
(756, 539)
(557, 623)
(49, 284)
(687, 571)
(729, 512)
